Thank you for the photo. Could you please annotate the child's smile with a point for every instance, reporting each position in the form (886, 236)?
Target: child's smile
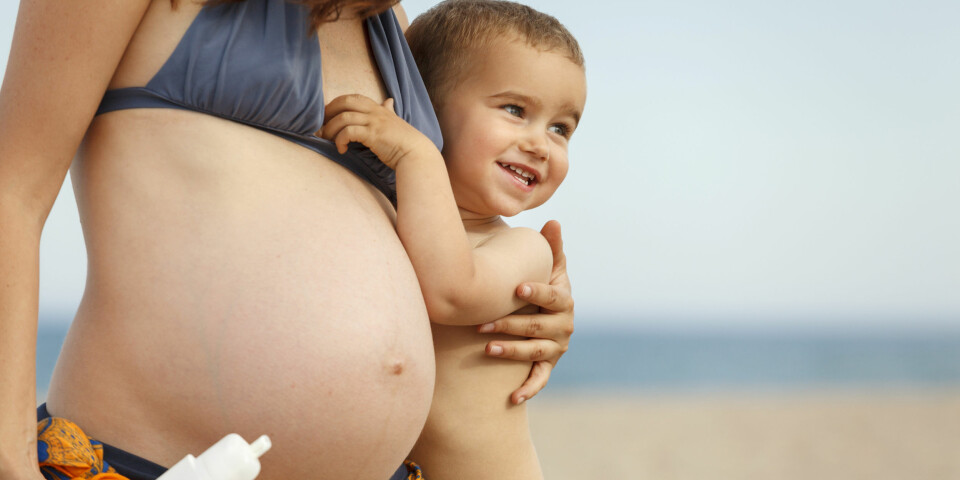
(523, 174)
(506, 127)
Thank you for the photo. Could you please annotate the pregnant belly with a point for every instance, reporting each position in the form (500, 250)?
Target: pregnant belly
(234, 300)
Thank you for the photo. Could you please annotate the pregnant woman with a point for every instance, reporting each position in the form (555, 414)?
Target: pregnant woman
(242, 276)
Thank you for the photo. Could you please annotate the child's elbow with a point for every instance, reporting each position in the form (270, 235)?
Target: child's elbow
(441, 310)
(449, 305)
(449, 300)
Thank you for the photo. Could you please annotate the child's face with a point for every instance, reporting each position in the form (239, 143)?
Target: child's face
(515, 109)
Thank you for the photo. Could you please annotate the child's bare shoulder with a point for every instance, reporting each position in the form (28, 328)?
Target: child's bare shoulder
(523, 244)
(518, 236)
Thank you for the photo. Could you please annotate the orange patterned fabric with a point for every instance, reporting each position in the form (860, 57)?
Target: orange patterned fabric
(66, 453)
(414, 470)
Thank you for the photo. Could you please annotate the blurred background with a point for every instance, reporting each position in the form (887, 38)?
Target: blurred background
(761, 220)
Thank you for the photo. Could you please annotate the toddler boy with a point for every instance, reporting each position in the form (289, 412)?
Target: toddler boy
(508, 86)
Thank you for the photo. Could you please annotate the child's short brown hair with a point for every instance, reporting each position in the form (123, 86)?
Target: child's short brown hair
(442, 39)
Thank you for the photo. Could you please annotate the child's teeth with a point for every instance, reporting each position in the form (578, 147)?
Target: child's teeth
(527, 177)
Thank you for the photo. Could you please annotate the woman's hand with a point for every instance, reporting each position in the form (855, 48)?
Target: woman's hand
(549, 331)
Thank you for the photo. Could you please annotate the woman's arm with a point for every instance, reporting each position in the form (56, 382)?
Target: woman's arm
(549, 331)
(461, 284)
(61, 61)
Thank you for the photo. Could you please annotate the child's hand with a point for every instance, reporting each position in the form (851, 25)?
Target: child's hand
(356, 118)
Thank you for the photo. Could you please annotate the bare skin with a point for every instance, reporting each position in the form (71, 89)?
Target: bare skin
(517, 107)
(473, 430)
(297, 334)
(237, 282)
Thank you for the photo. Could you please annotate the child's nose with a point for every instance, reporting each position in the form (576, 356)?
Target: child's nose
(535, 144)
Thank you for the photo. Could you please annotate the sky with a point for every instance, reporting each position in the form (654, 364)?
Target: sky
(740, 165)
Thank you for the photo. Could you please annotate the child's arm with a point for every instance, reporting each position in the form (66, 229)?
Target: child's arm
(461, 285)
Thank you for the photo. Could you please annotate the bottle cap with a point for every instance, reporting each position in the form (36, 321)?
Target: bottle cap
(232, 458)
(261, 445)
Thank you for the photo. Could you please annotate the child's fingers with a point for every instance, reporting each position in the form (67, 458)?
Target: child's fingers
(337, 123)
(533, 349)
(354, 102)
(350, 133)
(350, 110)
(539, 374)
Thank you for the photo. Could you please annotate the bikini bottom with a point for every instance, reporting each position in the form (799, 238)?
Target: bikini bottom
(137, 468)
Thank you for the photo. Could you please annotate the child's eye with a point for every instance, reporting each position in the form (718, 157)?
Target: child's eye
(561, 129)
(514, 110)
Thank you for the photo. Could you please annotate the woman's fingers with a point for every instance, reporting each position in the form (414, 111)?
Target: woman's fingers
(525, 350)
(532, 325)
(535, 382)
(548, 332)
(555, 298)
(551, 231)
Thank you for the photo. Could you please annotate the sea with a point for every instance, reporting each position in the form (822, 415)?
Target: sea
(705, 361)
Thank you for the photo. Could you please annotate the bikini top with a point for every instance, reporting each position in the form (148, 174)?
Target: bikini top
(258, 63)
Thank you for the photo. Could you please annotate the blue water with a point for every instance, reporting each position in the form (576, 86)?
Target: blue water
(768, 361)
(675, 361)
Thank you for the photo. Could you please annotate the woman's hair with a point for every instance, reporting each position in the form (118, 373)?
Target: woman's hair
(443, 38)
(322, 11)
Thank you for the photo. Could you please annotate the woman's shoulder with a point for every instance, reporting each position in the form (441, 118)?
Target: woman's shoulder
(401, 17)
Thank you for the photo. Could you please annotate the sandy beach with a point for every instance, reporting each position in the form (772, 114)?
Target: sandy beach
(743, 436)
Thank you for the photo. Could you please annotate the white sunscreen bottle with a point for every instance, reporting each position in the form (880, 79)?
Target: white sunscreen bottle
(232, 458)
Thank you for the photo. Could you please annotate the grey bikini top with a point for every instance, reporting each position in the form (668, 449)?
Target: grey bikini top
(258, 63)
